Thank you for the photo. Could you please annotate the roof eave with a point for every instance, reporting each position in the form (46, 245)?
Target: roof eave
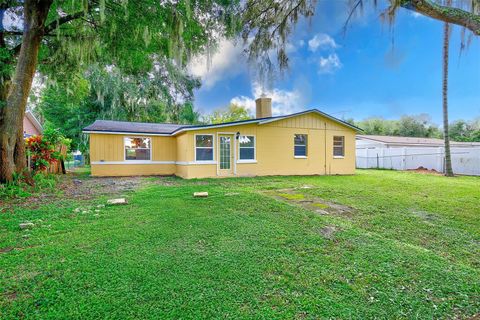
(89, 131)
(213, 126)
(34, 121)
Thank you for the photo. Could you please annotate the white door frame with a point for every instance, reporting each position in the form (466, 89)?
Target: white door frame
(232, 146)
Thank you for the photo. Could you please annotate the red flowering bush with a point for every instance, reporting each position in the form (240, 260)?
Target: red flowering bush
(41, 151)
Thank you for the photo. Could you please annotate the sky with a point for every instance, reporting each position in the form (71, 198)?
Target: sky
(373, 70)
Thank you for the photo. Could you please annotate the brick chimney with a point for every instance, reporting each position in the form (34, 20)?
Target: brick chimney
(264, 107)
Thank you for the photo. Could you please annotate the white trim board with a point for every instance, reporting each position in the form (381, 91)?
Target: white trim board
(180, 163)
(188, 163)
(130, 133)
(213, 126)
(133, 162)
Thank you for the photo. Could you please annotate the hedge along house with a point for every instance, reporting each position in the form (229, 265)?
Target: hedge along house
(305, 143)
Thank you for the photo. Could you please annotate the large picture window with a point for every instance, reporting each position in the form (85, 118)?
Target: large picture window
(137, 149)
(204, 147)
(338, 146)
(300, 145)
(247, 147)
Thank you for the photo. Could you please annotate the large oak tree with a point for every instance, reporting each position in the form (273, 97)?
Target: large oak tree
(63, 37)
(67, 35)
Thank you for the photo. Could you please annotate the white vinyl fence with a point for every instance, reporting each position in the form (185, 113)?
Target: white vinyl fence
(464, 160)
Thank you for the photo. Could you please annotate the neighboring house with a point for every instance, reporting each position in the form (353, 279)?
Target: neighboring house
(31, 126)
(304, 143)
(406, 153)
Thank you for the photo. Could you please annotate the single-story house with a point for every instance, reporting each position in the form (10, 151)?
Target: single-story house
(31, 126)
(375, 141)
(305, 143)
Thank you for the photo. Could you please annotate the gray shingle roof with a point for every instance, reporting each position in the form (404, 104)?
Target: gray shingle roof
(169, 128)
(133, 127)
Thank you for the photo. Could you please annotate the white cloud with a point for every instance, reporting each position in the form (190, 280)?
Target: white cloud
(416, 14)
(329, 64)
(226, 62)
(12, 19)
(321, 41)
(246, 102)
(283, 101)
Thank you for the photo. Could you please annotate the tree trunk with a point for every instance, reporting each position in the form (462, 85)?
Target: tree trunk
(12, 145)
(446, 43)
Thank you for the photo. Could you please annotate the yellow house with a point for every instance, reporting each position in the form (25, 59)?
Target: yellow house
(305, 143)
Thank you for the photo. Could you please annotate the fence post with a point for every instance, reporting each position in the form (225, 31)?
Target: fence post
(404, 158)
(382, 156)
(439, 158)
(367, 159)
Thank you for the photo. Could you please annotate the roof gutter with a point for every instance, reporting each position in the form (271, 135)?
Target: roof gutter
(212, 126)
(127, 132)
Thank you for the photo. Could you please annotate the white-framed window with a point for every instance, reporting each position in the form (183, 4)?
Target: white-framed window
(138, 148)
(204, 147)
(300, 142)
(246, 148)
(339, 146)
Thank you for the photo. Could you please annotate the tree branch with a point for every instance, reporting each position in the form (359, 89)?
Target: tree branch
(57, 23)
(12, 33)
(52, 26)
(456, 16)
(7, 4)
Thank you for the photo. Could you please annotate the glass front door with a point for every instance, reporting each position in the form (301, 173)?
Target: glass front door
(226, 154)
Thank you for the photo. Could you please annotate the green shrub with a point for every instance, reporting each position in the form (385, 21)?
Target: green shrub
(22, 186)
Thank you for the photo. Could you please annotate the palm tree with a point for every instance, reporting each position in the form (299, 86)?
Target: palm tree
(446, 43)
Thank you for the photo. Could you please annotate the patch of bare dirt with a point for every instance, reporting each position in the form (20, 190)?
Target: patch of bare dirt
(328, 232)
(423, 170)
(11, 296)
(310, 202)
(427, 217)
(6, 249)
(86, 187)
(91, 187)
(83, 187)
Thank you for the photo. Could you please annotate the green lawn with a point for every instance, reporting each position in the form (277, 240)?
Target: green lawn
(407, 246)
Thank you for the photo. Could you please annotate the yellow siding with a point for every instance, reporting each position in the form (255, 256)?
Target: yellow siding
(306, 121)
(274, 150)
(184, 147)
(182, 171)
(197, 171)
(275, 153)
(121, 170)
(106, 147)
(109, 148)
(164, 148)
